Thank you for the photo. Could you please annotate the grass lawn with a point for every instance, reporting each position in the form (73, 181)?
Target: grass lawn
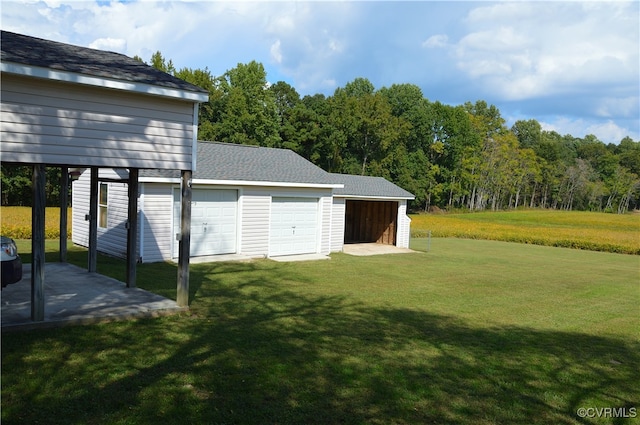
(472, 332)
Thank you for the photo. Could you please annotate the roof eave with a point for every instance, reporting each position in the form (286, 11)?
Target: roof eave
(241, 183)
(364, 197)
(110, 83)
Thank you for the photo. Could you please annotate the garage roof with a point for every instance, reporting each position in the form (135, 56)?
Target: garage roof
(368, 187)
(37, 57)
(228, 163)
(220, 163)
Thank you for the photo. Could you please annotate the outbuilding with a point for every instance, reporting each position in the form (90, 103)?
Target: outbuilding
(249, 200)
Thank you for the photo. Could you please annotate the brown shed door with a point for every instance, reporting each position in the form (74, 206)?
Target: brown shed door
(371, 221)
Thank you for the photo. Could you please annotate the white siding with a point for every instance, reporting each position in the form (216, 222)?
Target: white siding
(325, 225)
(156, 215)
(337, 224)
(80, 209)
(60, 123)
(254, 241)
(112, 239)
(404, 226)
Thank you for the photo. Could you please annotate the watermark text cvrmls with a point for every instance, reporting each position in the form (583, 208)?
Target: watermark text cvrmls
(607, 412)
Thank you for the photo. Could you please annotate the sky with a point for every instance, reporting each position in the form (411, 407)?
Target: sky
(573, 66)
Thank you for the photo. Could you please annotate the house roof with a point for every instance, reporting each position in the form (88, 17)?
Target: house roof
(228, 162)
(65, 59)
(368, 187)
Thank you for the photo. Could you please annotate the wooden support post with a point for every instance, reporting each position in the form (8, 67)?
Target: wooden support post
(185, 239)
(37, 242)
(64, 207)
(132, 228)
(93, 222)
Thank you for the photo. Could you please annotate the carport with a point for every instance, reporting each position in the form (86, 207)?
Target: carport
(78, 108)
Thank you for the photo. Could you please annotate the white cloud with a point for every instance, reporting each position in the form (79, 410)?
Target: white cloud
(309, 40)
(111, 44)
(53, 3)
(606, 131)
(281, 24)
(438, 40)
(276, 52)
(523, 50)
(618, 106)
(501, 39)
(501, 12)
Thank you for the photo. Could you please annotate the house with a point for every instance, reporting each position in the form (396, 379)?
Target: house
(255, 201)
(70, 107)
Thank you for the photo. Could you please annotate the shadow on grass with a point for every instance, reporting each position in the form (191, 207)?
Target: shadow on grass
(255, 350)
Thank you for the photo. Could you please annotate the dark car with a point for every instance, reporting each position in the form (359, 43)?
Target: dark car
(11, 262)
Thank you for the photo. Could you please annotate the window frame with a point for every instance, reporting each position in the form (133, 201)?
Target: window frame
(103, 205)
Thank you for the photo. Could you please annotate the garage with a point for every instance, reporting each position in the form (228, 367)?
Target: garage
(294, 226)
(255, 202)
(213, 221)
(371, 221)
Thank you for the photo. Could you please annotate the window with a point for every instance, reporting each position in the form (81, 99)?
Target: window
(102, 205)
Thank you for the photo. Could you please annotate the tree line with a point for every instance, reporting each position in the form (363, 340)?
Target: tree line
(450, 157)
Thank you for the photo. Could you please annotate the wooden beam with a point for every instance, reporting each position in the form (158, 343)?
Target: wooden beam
(185, 239)
(64, 207)
(132, 228)
(92, 260)
(37, 242)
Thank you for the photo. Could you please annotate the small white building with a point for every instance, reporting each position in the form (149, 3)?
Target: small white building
(254, 201)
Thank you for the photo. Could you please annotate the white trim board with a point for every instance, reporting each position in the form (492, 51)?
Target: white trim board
(110, 83)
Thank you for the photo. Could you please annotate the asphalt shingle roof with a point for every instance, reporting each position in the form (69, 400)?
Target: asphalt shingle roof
(228, 161)
(367, 186)
(32, 51)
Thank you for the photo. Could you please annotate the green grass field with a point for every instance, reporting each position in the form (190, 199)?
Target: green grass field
(472, 332)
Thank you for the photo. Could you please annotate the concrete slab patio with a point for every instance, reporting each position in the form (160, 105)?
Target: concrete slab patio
(365, 249)
(299, 257)
(75, 296)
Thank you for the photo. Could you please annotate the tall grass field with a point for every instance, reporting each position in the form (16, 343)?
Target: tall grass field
(15, 222)
(570, 229)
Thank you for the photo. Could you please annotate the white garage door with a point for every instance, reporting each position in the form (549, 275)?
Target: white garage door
(294, 224)
(213, 221)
